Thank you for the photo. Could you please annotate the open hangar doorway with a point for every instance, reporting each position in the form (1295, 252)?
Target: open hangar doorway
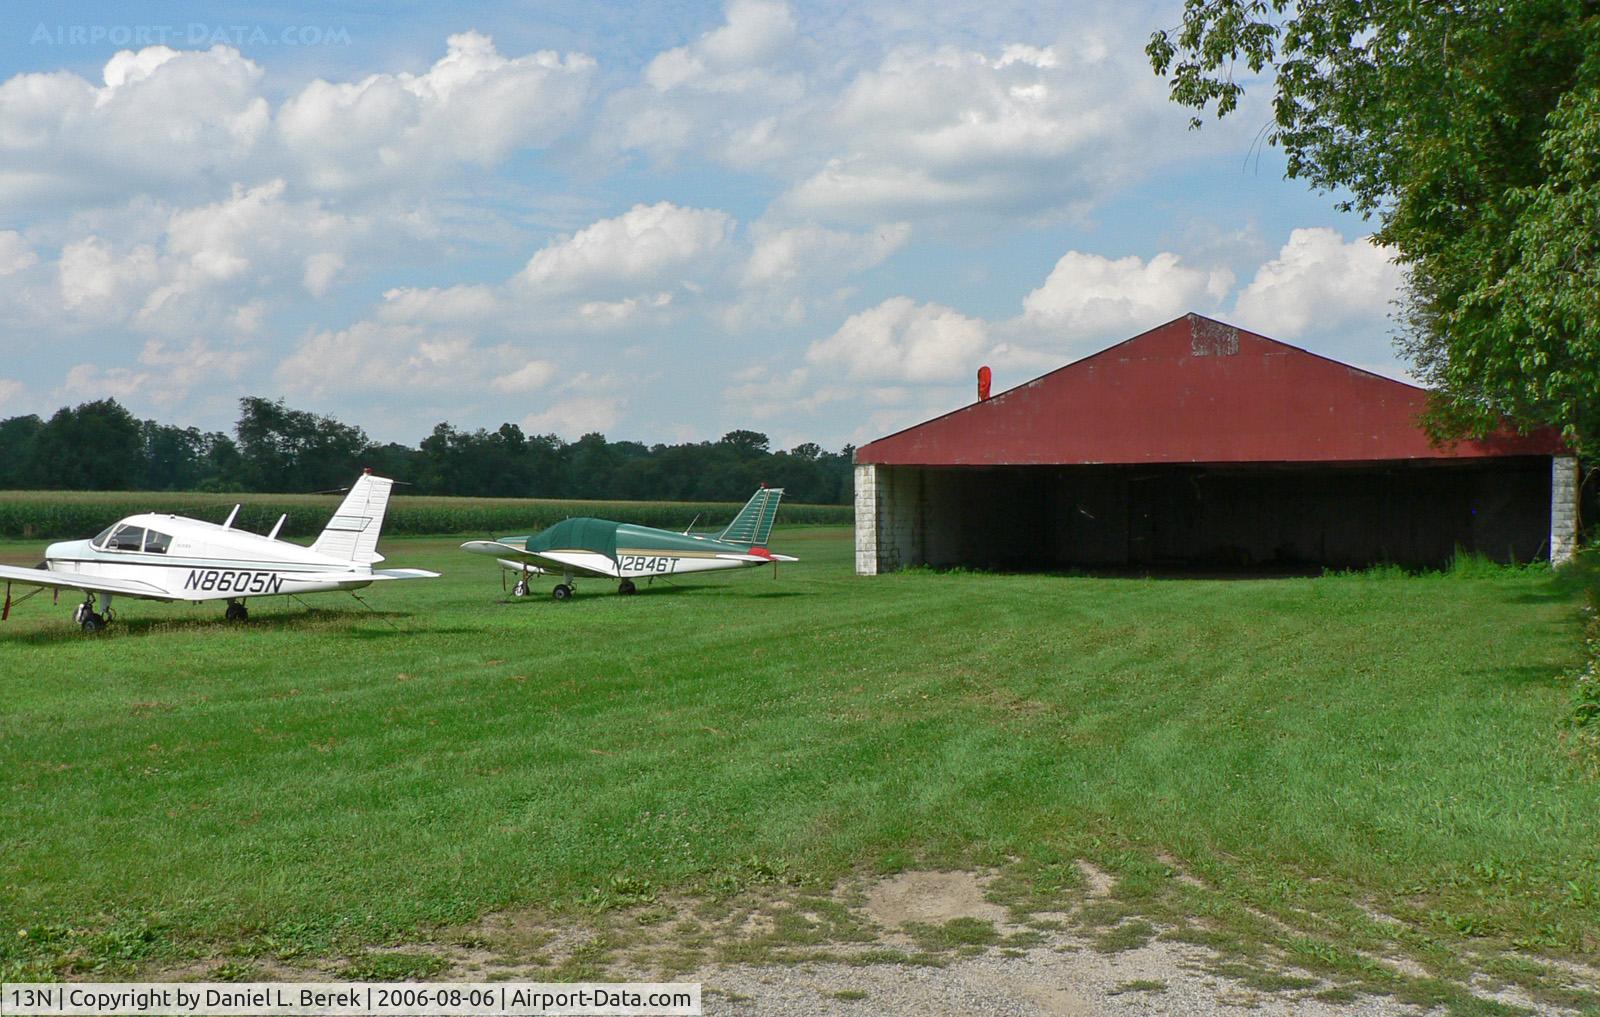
(1253, 518)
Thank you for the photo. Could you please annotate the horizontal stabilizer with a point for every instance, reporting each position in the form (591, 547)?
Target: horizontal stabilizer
(362, 578)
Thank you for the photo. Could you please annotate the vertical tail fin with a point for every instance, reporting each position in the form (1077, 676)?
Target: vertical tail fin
(753, 524)
(352, 534)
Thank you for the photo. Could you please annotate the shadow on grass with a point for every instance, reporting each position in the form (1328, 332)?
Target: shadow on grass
(586, 596)
(125, 627)
(1519, 676)
(388, 632)
(1164, 573)
(652, 593)
(1551, 594)
(1580, 577)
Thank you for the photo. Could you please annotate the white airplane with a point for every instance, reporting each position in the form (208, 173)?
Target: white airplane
(165, 557)
(602, 549)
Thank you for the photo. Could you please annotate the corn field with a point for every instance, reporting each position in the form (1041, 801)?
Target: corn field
(66, 514)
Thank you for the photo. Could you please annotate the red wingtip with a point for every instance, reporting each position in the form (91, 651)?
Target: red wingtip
(366, 471)
(761, 552)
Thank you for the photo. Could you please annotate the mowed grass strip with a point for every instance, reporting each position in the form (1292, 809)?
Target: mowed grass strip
(326, 777)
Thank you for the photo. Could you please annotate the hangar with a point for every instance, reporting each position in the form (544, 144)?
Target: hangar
(1201, 445)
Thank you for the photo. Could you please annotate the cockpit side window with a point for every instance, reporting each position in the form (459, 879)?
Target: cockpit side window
(126, 538)
(156, 543)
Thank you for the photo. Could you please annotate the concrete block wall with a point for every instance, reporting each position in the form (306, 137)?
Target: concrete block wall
(888, 518)
(1563, 508)
(867, 519)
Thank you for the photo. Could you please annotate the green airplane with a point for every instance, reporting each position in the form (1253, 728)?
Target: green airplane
(602, 549)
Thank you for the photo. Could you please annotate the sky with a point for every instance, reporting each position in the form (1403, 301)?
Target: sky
(658, 221)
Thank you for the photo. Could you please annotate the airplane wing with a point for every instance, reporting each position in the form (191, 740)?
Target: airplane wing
(76, 581)
(148, 591)
(548, 561)
(493, 548)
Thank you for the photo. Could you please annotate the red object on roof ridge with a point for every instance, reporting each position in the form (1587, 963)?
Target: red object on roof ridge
(1194, 390)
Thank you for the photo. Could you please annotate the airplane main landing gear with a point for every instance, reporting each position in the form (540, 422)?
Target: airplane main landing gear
(626, 587)
(521, 589)
(236, 612)
(561, 592)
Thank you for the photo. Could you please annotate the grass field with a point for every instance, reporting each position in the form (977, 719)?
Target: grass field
(1311, 751)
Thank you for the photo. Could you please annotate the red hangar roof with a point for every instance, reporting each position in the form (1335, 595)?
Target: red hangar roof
(1192, 391)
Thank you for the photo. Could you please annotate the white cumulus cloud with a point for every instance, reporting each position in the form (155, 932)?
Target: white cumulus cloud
(11, 397)
(941, 131)
(163, 120)
(100, 281)
(527, 378)
(473, 106)
(176, 122)
(468, 302)
(200, 268)
(1090, 296)
(15, 253)
(785, 256)
(716, 94)
(903, 340)
(165, 373)
(378, 357)
(1319, 281)
(728, 58)
(533, 375)
(646, 244)
(587, 403)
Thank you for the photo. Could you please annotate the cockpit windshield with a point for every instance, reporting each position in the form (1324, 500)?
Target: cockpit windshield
(125, 538)
(100, 539)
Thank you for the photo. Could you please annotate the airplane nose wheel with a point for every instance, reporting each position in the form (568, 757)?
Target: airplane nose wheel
(562, 592)
(86, 618)
(521, 589)
(236, 612)
(626, 587)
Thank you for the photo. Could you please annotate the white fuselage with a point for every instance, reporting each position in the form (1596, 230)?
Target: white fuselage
(629, 564)
(201, 561)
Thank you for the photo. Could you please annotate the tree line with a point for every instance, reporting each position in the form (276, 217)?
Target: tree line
(100, 446)
(1470, 132)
